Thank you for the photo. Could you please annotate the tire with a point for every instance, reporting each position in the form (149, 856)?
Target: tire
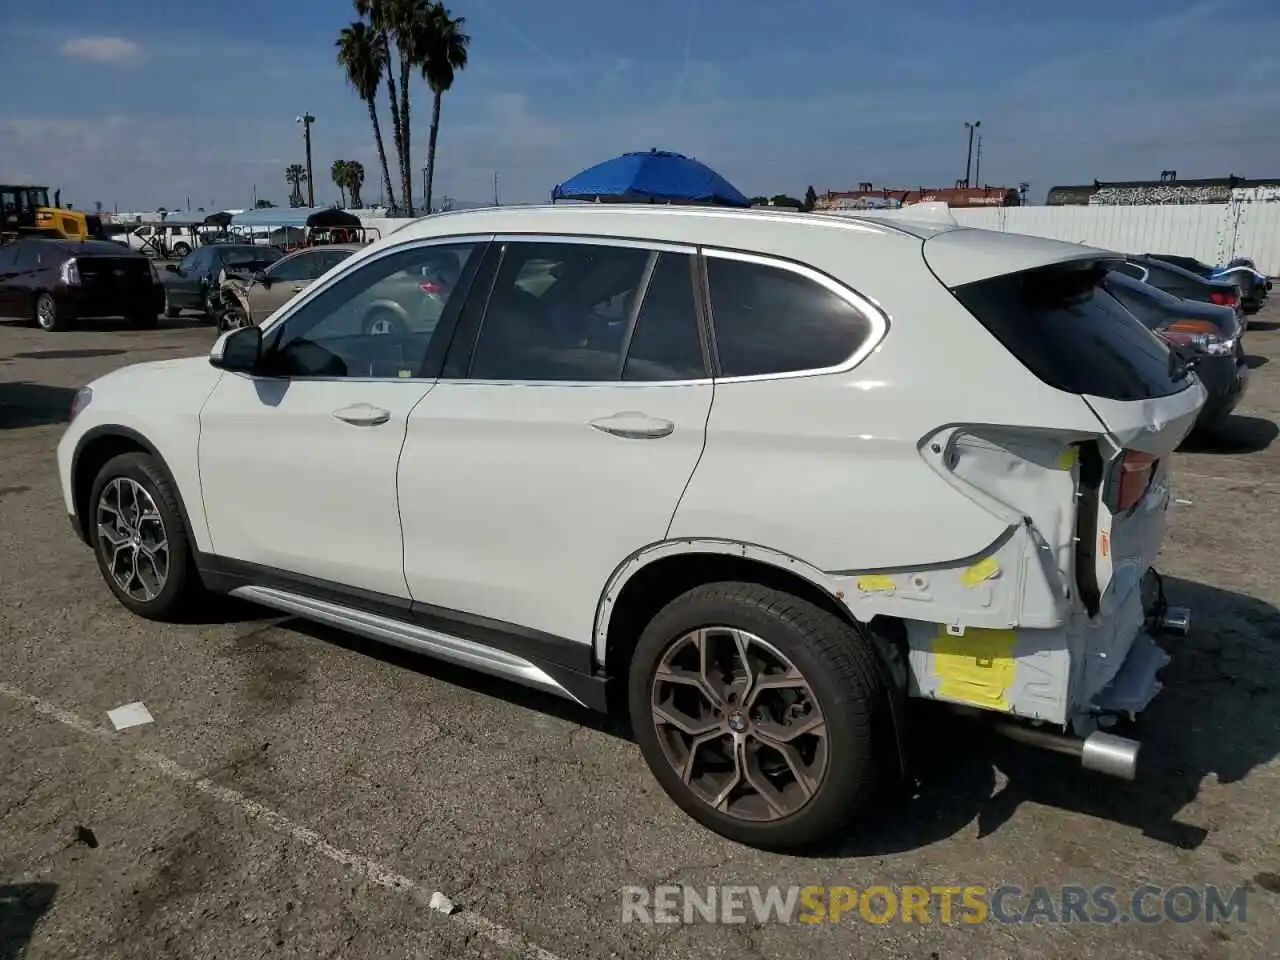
(173, 313)
(145, 593)
(837, 665)
(180, 250)
(47, 316)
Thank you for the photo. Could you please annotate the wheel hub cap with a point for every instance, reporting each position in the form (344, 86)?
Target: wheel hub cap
(739, 724)
(132, 539)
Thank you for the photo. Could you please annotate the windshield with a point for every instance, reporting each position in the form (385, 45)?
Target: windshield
(37, 197)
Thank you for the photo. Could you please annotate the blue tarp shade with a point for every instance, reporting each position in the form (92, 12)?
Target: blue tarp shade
(653, 175)
(300, 217)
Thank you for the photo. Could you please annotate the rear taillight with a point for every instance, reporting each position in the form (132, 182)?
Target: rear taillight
(1136, 470)
(430, 286)
(70, 273)
(1223, 299)
(1199, 334)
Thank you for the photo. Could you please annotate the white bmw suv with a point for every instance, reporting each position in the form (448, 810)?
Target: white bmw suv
(758, 478)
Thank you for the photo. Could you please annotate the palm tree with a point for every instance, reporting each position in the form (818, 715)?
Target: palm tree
(445, 55)
(394, 21)
(362, 52)
(338, 172)
(295, 175)
(355, 181)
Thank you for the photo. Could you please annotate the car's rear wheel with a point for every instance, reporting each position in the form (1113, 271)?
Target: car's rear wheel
(139, 538)
(754, 709)
(383, 320)
(48, 316)
(180, 250)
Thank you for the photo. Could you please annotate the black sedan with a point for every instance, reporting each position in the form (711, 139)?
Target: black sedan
(193, 284)
(1207, 334)
(56, 283)
(1184, 284)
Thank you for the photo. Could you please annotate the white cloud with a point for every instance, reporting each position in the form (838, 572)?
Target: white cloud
(102, 49)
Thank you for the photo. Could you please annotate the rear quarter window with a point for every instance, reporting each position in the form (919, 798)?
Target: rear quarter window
(1067, 330)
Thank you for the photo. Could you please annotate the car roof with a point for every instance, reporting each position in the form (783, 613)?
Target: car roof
(963, 253)
(349, 247)
(105, 248)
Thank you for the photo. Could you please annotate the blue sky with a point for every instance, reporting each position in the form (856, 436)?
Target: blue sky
(139, 103)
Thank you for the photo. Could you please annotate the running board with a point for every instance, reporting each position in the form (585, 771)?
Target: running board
(409, 636)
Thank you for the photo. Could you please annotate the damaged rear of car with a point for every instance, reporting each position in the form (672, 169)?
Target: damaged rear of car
(1082, 650)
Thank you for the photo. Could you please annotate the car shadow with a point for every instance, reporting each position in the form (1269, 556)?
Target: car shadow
(26, 404)
(1253, 361)
(21, 907)
(1235, 434)
(1262, 326)
(1218, 716)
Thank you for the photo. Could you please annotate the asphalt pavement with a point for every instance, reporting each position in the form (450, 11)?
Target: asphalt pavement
(301, 793)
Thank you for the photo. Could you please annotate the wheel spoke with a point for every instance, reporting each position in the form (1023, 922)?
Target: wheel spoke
(793, 679)
(721, 799)
(698, 742)
(694, 727)
(795, 762)
(758, 782)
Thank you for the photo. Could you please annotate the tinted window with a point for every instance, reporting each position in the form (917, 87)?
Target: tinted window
(8, 257)
(559, 311)
(305, 266)
(378, 320)
(240, 255)
(665, 343)
(772, 320)
(1073, 335)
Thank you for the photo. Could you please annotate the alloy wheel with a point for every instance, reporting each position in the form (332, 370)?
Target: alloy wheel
(739, 724)
(46, 312)
(132, 538)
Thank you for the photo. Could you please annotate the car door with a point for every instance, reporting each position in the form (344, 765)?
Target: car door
(183, 284)
(298, 462)
(285, 279)
(569, 417)
(8, 278)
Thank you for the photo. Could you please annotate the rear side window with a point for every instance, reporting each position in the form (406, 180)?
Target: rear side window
(771, 320)
(1072, 334)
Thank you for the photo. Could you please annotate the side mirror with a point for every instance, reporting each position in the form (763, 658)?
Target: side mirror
(238, 350)
(260, 276)
(171, 267)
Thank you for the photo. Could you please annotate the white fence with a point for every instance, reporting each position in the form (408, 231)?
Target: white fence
(1212, 232)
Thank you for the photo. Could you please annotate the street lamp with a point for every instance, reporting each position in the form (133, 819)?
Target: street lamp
(307, 120)
(968, 162)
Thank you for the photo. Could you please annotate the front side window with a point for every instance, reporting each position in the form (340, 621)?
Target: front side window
(305, 266)
(188, 264)
(379, 320)
(559, 312)
(772, 320)
(665, 344)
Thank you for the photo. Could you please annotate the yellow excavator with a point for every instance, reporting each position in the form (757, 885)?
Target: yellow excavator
(25, 211)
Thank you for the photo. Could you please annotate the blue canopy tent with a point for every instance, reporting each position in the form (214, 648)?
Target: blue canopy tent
(298, 217)
(653, 176)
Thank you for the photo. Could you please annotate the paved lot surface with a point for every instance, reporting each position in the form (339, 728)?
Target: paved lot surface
(302, 794)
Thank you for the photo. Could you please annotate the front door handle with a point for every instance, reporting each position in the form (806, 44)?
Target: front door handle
(363, 415)
(634, 426)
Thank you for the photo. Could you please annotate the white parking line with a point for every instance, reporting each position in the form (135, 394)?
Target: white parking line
(371, 870)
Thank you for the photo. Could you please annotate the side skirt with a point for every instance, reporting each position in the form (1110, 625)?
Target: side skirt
(551, 664)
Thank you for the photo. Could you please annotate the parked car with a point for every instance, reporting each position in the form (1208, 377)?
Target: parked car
(1183, 283)
(194, 283)
(757, 480)
(56, 284)
(1253, 286)
(248, 300)
(1208, 335)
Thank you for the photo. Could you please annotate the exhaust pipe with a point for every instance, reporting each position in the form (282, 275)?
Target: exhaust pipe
(1101, 752)
(1176, 620)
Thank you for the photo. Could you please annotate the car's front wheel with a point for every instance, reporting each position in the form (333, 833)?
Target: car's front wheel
(755, 711)
(139, 538)
(47, 314)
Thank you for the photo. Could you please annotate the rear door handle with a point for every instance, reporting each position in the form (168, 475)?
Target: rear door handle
(363, 415)
(634, 426)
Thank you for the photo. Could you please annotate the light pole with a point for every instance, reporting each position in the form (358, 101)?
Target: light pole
(968, 162)
(307, 120)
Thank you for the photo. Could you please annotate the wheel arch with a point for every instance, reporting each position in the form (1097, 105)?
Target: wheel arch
(656, 574)
(94, 450)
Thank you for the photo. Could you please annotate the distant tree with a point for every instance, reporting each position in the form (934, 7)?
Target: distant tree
(355, 181)
(443, 54)
(295, 175)
(338, 171)
(363, 54)
(97, 206)
(782, 200)
(810, 199)
(761, 201)
(263, 204)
